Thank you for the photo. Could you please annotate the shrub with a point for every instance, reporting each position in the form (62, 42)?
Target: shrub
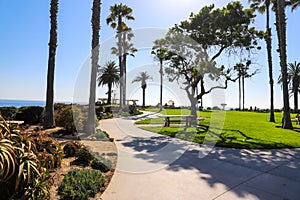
(81, 184)
(30, 114)
(8, 113)
(21, 171)
(50, 152)
(101, 163)
(72, 148)
(100, 134)
(84, 156)
(71, 118)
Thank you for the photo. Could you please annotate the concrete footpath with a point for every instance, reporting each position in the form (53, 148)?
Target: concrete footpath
(152, 166)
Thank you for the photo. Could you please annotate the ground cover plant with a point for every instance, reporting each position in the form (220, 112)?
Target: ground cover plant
(240, 130)
(81, 184)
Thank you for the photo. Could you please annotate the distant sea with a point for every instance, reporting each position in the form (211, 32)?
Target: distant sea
(20, 103)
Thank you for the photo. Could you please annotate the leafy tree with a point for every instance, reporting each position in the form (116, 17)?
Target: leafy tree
(263, 6)
(281, 32)
(143, 77)
(49, 113)
(109, 75)
(196, 44)
(161, 54)
(96, 9)
(119, 13)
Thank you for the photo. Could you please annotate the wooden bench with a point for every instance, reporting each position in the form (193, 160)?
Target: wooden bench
(186, 118)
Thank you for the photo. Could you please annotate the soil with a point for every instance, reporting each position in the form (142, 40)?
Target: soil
(106, 148)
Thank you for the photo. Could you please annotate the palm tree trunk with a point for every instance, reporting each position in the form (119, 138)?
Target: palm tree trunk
(240, 93)
(120, 60)
(296, 101)
(269, 52)
(49, 113)
(281, 31)
(144, 96)
(124, 78)
(161, 84)
(95, 58)
(109, 94)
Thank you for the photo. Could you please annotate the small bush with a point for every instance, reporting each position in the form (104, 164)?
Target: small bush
(100, 134)
(71, 148)
(101, 163)
(73, 119)
(8, 113)
(50, 152)
(84, 157)
(81, 184)
(30, 114)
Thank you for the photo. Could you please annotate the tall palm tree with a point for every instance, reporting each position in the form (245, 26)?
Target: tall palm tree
(142, 77)
(281, 32)
(161, 54)
(263, 6)
(96, 9)
(109, 75)
(295, 4)
(294, 80)
(49, 113)
(119, 13)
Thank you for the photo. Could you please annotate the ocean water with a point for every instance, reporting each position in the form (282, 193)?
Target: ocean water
(20, 103)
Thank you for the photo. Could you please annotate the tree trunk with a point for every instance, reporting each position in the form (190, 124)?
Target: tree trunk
(269, 52)
(281, 31)
(109, 93)
(243, 89)
(161, 84)
(296, 100)
(124, 77)
(49, 113)
(240, 106)
(119, 32)
(144, 95)
(95, 58)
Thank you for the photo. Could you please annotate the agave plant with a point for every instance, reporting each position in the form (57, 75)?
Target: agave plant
(21, 170)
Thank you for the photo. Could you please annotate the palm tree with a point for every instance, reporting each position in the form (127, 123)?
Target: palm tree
(142, 77)
(281, 32)
(161, 54)
(109, 75)
(96, 9)
(294, 80)
(263, 6)
(118, 13)
(295, 4)
(49, 113)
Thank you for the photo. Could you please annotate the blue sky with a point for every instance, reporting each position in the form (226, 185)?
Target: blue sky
(25, 36)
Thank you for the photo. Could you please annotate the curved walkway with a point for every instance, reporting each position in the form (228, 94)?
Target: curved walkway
(152, 166)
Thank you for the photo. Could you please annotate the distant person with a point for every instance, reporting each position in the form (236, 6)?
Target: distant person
(251, 109)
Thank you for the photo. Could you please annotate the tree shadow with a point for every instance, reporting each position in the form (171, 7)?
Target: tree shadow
(243, 172)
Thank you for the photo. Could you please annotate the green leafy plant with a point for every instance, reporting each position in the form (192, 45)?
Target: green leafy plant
(81, 184)
(72, 148)
(21, 169)
(30, 114)
(99, 134)
(101, 163)
(84, 156)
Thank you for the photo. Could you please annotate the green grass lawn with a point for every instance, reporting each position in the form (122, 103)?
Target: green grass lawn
(240, 130)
